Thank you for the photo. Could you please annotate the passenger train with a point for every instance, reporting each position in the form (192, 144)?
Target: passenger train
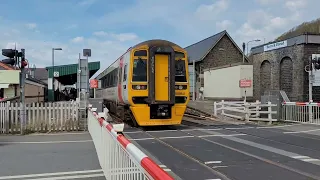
(148, 84)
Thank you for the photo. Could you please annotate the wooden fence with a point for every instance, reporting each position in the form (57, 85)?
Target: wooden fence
(40, 117)
(246, 111)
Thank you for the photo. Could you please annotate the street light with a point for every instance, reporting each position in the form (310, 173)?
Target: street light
(255, 40)
(54, 49)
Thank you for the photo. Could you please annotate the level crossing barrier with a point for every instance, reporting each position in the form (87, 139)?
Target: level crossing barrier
(118, 157)
(301, 112)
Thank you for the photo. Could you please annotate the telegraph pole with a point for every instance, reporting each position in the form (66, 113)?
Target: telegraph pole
(243, 49)
(22, 92)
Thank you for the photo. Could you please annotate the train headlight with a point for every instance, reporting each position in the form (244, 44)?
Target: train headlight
(180, 87)
(139, 87)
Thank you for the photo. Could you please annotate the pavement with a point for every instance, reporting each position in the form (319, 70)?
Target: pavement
(48, 157)
(229, 151)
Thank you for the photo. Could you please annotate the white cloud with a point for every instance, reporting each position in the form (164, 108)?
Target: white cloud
(87, 2)
(223, 25)
(77, 39)
(31, 25)
(295, 5)
(267, 2)
(207, 11)
(120, 37)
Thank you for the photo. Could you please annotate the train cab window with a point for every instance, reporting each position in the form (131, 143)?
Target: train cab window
(179, 54)
(180, 71)
(139, 70)
(125, 73)
(140, 53)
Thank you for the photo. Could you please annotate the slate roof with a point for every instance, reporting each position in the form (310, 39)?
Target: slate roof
(41, 73)
(6, 67)
(198, 51)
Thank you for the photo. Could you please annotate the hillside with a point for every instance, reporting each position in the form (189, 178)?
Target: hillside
(306, 27)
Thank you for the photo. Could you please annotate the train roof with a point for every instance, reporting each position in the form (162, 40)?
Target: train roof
(156, 42)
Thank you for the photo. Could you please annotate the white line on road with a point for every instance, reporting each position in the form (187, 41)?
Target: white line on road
(212, 179)
(222, 135)
(175, 137)
(141, 139)
(50, 174)
(240, 128)
(217, 129)
(300, 157)
(212, 162)
(70, 177)
(163, 131)
(266, 127)
(44, 142)
(310, 160)
(131, 132)
(296, 132)
(57, 134)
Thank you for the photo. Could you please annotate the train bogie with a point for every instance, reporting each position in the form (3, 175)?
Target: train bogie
(150, 81)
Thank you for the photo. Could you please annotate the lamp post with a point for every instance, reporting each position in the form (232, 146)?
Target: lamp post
(255, 40)
(53, 49)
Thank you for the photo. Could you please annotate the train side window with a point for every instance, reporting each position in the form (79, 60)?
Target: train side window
(139, 70)
(125, 73)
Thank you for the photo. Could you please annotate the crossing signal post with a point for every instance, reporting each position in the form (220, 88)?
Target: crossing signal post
(16, 58)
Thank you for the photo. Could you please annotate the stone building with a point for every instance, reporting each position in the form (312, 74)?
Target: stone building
(215, 51)
(281, 66)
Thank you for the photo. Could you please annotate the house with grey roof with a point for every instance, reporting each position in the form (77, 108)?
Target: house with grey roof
(215, 51)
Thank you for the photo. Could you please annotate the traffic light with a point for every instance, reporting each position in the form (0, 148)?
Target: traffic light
(11, 54)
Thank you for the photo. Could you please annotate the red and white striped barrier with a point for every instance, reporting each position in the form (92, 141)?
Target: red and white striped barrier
(118, 157)
(300, 104)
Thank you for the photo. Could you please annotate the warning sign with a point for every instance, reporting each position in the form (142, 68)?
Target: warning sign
(245, 83)
(93, 83)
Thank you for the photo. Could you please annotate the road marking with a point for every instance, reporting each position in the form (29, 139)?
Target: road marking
(219, 166)
(212, 179)
(167, 170)
(296, 132)
(300, 157)
(212, 162)
(131, 132)
(141, 139)
(70, 177)
(310, 160)
(162, 166)
(57, 134)
(266, 127)
(239, 128)
(175, 137)
(50, 174)
(163, 131)
(222, 135)
(44, 142)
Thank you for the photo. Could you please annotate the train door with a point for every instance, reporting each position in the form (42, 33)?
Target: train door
(161, 77)
(120, 88)
(125, 83)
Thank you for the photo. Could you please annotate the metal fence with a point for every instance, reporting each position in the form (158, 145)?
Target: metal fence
(118, 157)
(301, 112)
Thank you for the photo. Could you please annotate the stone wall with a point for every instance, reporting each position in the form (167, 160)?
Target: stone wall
(284, 69)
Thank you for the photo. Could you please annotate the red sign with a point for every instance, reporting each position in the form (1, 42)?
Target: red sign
(245, 83)
(94, 83)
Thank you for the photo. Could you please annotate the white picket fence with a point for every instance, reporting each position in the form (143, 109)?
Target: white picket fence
(245, 111)
(40, 117)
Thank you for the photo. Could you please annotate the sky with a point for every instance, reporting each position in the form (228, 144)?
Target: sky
(110, 27)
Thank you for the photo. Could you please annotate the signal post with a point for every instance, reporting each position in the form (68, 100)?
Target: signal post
(17, 59)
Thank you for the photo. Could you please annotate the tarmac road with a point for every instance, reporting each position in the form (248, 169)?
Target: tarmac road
(225, 151)
(47, 157)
